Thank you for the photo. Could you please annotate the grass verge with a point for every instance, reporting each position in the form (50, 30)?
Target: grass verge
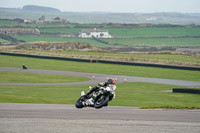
(19, 77)
(143, 95)
(155, 58)
(14, 61)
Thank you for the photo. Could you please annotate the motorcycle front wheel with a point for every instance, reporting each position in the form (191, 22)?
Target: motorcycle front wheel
(101, 101)
(79, 103)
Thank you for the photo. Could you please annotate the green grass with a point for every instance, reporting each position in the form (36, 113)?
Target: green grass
(40, 26)
(5, 22)
(143, 95)
(63, 30)
(147, 95)
(14, 61)
(35, 38)
(3, 41)
(19, 77)
(134, 32)
(155, 32)
(159, 57)
(143, 36)
(131, 42)
(172, 42)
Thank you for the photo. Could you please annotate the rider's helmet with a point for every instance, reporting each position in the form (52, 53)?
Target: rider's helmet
(111, 81)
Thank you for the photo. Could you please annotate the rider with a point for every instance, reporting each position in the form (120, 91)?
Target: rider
(109, 82)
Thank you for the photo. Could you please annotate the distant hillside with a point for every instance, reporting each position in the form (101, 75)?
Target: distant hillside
(33, 8)
(34, 12)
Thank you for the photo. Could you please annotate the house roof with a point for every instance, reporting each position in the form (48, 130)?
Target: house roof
(93, 30)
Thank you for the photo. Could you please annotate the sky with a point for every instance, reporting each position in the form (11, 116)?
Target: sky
(123, 6)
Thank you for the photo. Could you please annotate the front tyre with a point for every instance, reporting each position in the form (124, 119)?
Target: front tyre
(101, 101)
(79, 103)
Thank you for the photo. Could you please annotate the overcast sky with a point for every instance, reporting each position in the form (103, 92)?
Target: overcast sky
(147, 6)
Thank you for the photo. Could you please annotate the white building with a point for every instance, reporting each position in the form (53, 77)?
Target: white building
(151, 19)
(27, 21)
(94, 33)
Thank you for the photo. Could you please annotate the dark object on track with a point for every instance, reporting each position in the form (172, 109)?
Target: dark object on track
(24, 67)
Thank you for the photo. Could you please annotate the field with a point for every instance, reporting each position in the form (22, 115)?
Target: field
(152, 37)
(124, 42)
(155, 32)
(155, 42)
(3, 41)
(133, 36)
(34, 63)
(133, 32)
(36, 38)
(143, 38)
(17, 77)
(144, 95)
(159, 58)
(139, 39)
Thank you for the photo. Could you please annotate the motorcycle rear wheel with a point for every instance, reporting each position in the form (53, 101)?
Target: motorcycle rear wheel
(101, 101)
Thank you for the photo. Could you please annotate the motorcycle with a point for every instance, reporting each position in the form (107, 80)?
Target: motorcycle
(103, 96)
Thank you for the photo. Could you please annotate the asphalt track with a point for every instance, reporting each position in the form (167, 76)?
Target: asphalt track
(51, 118)
(98, 78)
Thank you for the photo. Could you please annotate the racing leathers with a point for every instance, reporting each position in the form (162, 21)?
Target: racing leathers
(103, 86)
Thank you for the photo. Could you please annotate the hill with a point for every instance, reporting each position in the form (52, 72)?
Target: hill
(33, 8)
(34, 12)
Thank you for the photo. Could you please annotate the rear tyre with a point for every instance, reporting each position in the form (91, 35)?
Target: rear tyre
(101, 101)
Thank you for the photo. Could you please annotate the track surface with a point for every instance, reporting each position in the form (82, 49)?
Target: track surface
(44, 118)
(51, 118)
(98, 78)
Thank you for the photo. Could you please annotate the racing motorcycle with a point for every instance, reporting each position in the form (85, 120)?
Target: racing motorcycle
(103, 96)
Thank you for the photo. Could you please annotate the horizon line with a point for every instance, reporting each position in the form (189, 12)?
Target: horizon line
(106, 11)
